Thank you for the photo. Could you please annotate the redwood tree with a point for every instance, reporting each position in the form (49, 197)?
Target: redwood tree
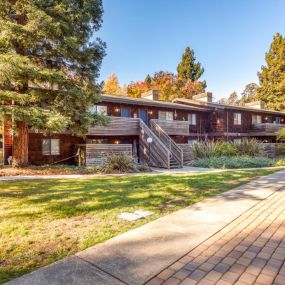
(49, 62)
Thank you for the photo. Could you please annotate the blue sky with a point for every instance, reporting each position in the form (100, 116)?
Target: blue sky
(229, 37)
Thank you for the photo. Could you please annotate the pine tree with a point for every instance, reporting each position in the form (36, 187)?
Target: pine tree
(148, 80)
(272, 75)
(49, 60)
(188, 68)
(233, 98)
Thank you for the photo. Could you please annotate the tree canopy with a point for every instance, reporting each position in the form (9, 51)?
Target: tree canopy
(49, 62)
(272, 75)
(189, 68)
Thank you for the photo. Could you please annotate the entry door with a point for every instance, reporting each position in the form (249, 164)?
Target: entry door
(143, 115)
(125, 112)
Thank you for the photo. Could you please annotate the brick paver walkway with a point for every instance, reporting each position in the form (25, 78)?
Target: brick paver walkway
(249, 250)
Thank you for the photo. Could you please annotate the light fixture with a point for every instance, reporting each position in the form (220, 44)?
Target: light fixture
(117, 109)
(150, 112)
(117, 141)
(149, 140)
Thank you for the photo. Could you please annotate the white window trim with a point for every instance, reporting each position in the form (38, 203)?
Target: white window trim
(237, 122)
(192, 119)
(96, 109)
(50, 150)
(166, 116)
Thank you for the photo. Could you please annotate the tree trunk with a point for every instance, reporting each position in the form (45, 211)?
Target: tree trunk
(21, 145)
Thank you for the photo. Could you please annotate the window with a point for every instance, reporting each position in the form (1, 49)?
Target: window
(277, 120)
(256, 119)
(50, 147)
(237, 140)
(192, 119)
(237, 118)
(164, 115)
(192, 141)
(99, 109)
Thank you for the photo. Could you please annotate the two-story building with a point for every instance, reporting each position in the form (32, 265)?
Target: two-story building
(155, 131)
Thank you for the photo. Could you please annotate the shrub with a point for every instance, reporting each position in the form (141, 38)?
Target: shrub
(118, 163)
(202, 149)
(237, 162)
(225, 148)
(251, 147)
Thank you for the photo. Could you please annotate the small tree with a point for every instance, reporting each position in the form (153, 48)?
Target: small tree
(111, 85)
(272, 75)
(49, 60)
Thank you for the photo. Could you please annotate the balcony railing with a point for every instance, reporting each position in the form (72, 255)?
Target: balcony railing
(118, 126)
(175, 128)
(267, 128)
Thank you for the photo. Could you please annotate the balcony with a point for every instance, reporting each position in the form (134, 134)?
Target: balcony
(118, 126)
(267, 129)
(174, 128)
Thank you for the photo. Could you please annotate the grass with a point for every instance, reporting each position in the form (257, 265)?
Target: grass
(42, 221)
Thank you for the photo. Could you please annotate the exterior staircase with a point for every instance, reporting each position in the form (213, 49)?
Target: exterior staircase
(176, 153)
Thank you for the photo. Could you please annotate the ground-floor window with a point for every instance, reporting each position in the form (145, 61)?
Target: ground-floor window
(192, 141)
(50, 147)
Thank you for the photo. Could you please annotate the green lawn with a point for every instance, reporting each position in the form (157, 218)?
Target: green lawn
(42, 221)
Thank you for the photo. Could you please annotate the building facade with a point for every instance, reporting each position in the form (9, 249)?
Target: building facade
(169, 125)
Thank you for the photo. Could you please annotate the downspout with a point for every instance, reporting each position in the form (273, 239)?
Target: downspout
(227, 125)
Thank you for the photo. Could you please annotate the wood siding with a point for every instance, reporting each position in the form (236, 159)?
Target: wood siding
(96, 154)
(67, 145)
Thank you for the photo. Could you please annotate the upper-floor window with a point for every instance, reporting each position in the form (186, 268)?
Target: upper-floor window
(237, 118)
(192, 119)
(99, 109)
(165, 115)
(277, 120)
(50, 147)
(256, 119)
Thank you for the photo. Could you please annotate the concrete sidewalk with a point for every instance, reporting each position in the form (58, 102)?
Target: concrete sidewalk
(137, 256)
(155, 171)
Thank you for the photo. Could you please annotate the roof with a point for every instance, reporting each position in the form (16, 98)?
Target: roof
(148, 102)
(214, 105)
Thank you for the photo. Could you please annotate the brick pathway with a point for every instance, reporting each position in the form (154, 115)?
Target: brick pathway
(249, 250)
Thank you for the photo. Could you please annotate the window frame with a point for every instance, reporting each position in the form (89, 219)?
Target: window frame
(254, 119)
(166, 117)
(50, 145)
(237, 121)
(192, 119)
(96, 109)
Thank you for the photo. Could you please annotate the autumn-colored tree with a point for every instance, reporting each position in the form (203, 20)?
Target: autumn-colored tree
(189, 89)
(272, 75)
(135, 89)
(165, 83)
(111, 85)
